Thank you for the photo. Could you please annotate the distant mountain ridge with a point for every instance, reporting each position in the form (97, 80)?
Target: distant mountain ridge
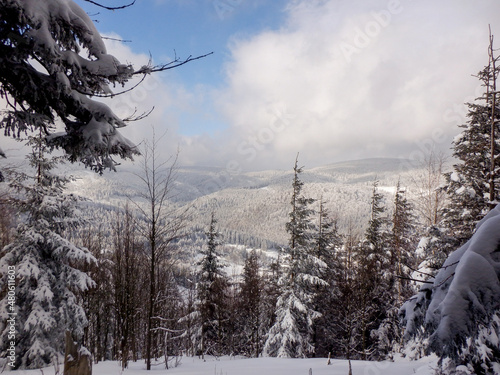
(252, 208)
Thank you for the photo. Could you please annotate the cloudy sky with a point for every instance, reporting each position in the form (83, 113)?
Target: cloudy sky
(334, 80)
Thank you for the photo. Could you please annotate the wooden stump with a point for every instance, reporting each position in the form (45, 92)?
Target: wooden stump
(76, 361)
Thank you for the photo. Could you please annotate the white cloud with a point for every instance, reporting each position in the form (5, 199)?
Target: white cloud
(359, 80)
(339, 80)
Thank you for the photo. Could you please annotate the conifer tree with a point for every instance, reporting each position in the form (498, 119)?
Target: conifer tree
(250, 307)
(402, 244)
(345, 343)
(98, 302)
(7, 219)
(212, 293)
(396, 280)
(47, 277)
(373, 277)
(456, 312)
(327, 243)
(73, 68)
(270, 294)
(473, 186)
(292, 333)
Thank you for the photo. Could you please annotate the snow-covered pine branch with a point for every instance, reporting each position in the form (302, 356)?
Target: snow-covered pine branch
(53, 61)
(457, 316)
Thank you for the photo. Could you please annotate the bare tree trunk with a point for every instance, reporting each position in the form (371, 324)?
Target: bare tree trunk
(430, 198)
(491, 87)
(162, 224)
(149, 336)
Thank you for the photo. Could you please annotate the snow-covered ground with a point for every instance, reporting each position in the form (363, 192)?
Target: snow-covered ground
(263, 366)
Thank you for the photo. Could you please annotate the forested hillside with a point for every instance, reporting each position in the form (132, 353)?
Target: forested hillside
(252, 207)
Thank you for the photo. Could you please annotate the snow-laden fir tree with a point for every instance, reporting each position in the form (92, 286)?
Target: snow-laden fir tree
(250, 314)
(46, 267)
(457, 314)
(53, 61)
(292, 333)
(327, 244)
(212, 295)
(375, 281)
(397, 272)
(474, 187)
(345, 307)
(100, 303)
(403, 240)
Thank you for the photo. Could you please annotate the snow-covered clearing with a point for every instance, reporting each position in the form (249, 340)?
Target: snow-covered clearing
(263, 366)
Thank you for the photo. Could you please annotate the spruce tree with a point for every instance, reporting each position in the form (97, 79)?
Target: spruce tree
(403, 241)
(373, 278)
(473, 186)
(250, 307)
(327, 245)
(270, 294)
(292, 333)
(99, 302)
(396, 277)
(346, 311)
(45, 264)
(467, 186)
(456, 312)
(72, 70)
(212, 294)
(54, 33)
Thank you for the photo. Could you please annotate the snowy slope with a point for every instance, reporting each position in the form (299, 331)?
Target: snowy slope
(264, 366)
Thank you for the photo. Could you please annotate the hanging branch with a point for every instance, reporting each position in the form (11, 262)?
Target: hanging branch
(111, 8)
(143, 115)
(113, 94)
(423, 273)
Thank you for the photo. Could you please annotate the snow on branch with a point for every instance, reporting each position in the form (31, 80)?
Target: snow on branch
(53, 64)
(452, 315)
